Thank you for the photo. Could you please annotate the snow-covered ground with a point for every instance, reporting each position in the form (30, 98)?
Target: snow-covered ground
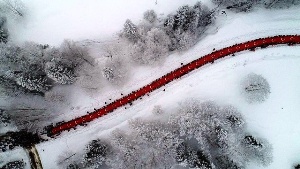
(17, 154)
(276, 119)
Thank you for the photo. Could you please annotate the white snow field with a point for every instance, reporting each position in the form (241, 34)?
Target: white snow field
(276, 119)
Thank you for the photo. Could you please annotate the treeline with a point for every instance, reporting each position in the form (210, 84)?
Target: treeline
(199, 135)
(248, 5)
(154, 38)
(34, 68)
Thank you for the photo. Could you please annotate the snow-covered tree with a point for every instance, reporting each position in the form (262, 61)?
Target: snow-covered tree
(4, 118)
(186, 26)
(115, 71)
(60, 72)
(150, 16)
(257, 149)
(158, 141)
(126, 151)
(130, 31)
(96, 153)
(153, 48)
(192, 156)
(15, 7)
(255, 88)
(3, 30)
(73, 166)
(219, 131)
(25, 66)
(238, 5)
(280, 3)
(14, 165)
(34, 83)
(74, 55)
(224, 161)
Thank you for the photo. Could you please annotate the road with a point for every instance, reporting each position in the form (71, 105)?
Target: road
(175, 74)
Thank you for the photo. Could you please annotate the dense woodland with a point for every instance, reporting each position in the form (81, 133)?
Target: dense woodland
(199, 135)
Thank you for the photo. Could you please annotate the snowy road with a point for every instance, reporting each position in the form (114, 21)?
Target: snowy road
(210, 58)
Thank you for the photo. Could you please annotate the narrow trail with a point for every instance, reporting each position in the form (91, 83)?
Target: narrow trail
(35, 161)
(169, 77)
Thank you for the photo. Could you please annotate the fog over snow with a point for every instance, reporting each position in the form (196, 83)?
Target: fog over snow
(52, 21)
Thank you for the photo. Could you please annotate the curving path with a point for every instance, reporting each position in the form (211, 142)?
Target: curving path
(175, 74)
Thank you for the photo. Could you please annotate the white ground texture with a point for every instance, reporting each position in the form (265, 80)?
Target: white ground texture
(276, 119)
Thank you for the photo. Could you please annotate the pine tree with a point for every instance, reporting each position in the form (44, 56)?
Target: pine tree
(130, 31)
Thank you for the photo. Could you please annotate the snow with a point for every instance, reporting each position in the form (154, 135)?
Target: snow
(52, 21)
(276, 119)
(17, 154)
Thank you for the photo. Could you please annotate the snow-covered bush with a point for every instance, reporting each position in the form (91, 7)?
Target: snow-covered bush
(96, 153)
(255, 88)
(150, 16)
(115, 71)
(14, 165)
